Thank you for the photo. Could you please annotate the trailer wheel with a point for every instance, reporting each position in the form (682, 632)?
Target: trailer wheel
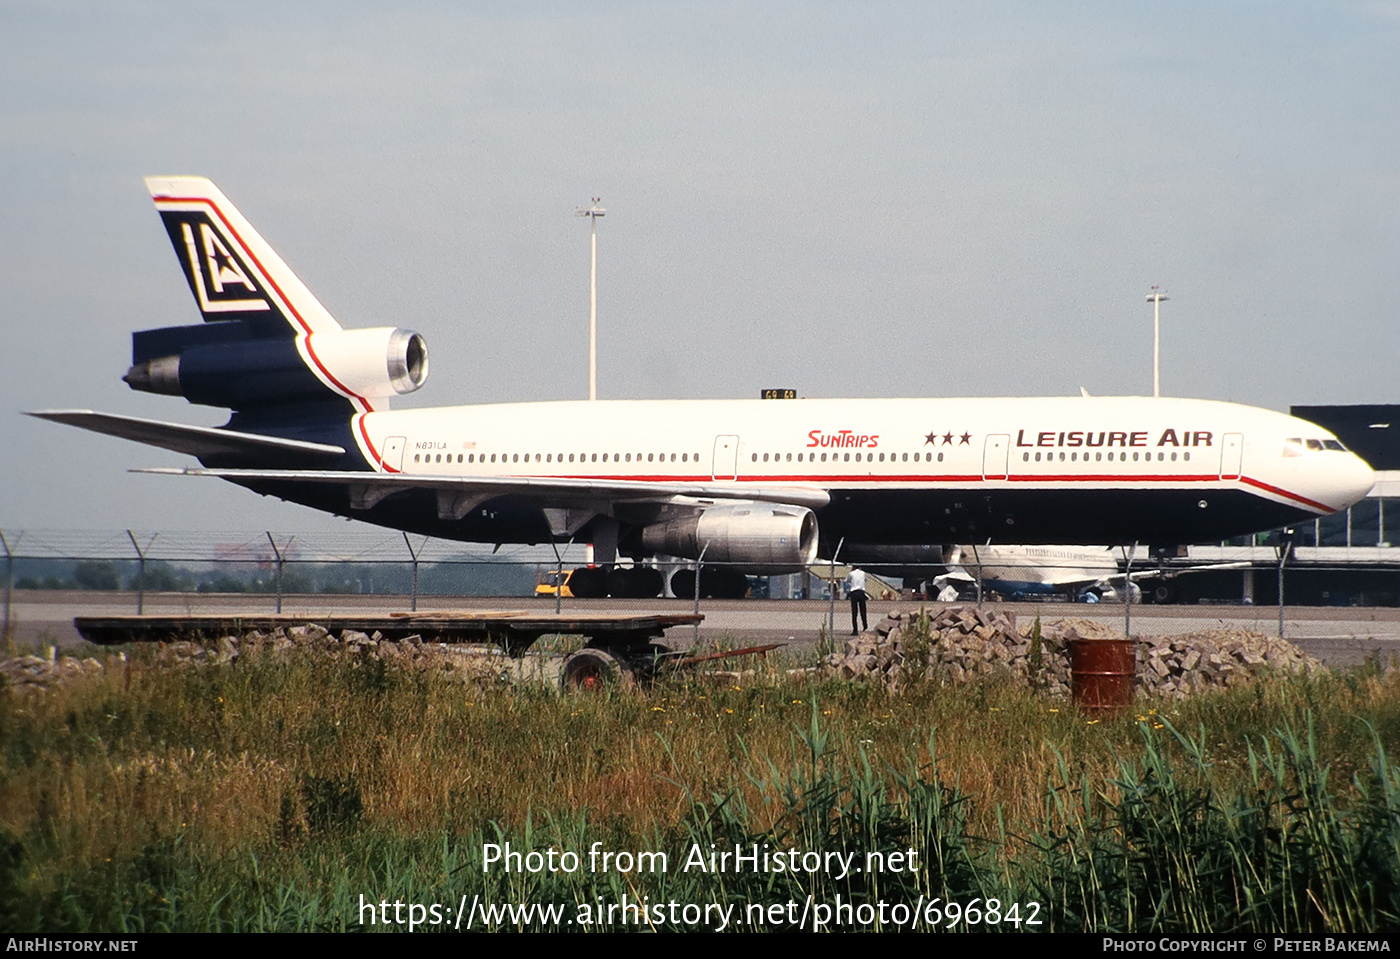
(593, 669)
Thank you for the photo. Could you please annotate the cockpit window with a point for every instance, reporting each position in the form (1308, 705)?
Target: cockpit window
(1297, 445)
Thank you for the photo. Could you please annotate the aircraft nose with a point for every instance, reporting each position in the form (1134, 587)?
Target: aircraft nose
(1352, 481)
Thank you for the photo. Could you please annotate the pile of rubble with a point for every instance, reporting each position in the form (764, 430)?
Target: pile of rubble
(34, 673)
(458, 662)
(960, 644)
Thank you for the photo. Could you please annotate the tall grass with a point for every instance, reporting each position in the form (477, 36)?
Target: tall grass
(273, 794)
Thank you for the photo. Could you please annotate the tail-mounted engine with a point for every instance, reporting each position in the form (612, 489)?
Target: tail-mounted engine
(235, 365)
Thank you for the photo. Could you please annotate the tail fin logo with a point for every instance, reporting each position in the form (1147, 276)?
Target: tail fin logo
(220, 279)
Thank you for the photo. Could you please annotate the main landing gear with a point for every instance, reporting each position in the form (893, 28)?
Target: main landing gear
(715, 583)
(646, 582)
(622, 582)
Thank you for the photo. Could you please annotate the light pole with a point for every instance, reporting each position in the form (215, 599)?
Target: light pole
(593, 212)
(1155, 298)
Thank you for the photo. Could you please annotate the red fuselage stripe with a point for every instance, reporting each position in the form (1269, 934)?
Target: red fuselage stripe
(826, 482)
(1313, 504)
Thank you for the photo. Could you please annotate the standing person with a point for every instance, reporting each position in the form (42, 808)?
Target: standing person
(855, 591)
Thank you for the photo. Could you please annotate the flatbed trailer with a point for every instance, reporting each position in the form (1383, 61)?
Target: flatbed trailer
(513, 630)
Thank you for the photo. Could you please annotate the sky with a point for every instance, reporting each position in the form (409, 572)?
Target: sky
(886, 199)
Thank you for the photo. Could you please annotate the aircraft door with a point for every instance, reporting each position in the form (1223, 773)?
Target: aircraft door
(1231, 455)
(392, 455)
(995, 456)
(726, 465)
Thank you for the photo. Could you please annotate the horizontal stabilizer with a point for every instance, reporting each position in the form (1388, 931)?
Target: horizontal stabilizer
(555, 489)
(200, 441)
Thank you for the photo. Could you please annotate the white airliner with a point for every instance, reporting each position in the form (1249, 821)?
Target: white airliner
(761, 485)
(1075, 572)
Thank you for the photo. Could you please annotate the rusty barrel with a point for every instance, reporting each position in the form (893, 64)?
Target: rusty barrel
(1103, 672)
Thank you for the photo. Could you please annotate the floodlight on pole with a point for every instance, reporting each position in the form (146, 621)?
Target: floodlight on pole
(1155, 298)
(593, 212)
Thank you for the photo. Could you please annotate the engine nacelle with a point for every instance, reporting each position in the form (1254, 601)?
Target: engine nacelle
(246, 372)
(376, 362)
(754, 537)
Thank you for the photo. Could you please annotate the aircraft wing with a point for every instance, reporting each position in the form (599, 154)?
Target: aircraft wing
(198, 441)
(554, 490)
(1171, 573)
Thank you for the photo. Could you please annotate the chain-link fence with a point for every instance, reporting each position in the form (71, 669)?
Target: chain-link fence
(52, 576)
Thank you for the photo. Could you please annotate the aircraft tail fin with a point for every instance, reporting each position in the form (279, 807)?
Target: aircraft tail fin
(232, 271)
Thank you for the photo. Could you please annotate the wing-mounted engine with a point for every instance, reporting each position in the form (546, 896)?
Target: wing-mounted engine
(766, 537)
(230, 365)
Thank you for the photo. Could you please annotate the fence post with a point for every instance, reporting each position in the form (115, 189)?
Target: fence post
(977, 558)
(141, 569)
(281, 562)
(1285, 549)
(415, 553)
(1128, 558)
(831, 591)
(559, 570)
(699, 565)
(9, 581)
